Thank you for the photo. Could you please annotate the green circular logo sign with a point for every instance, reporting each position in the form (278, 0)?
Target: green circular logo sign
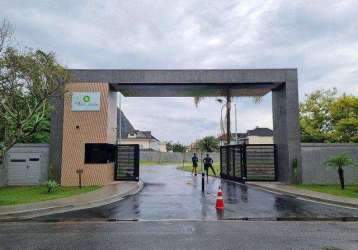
(86, 98)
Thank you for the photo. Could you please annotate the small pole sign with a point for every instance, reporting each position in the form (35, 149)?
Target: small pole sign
(79, 172)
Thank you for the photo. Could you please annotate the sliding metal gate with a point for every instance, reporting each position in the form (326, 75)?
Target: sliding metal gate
(126, 162)
(248, 162)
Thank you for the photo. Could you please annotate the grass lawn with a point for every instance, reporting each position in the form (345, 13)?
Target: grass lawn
(350, 191)
(28, 194)
(153, 163)
(188, 167)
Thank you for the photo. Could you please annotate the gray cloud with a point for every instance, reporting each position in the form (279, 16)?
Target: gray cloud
(317, 37)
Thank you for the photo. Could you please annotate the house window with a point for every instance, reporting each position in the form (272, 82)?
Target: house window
(131, 135)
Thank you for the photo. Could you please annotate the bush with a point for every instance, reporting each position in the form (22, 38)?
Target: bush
(52, 186)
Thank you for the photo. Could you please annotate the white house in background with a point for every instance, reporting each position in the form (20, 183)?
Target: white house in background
(130, 135)
(145, 139)
(255, 136)
(258, 136)
(163, 146)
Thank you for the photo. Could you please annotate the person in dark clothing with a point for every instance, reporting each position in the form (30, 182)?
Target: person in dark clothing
(208, 163)
(195, 160)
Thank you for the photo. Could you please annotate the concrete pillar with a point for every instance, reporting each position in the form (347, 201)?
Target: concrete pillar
(285, 111)
(56, 135)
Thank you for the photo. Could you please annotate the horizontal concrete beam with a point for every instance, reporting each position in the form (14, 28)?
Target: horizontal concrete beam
(182, 76)
(216, 82)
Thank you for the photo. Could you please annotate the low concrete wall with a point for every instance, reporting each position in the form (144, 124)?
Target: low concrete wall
(43, 149)
(172, 156)
(313, 157)
(315, 154)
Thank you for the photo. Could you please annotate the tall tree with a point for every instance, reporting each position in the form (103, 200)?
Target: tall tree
(208, 144)
(324, 117)
(28, 80)
(338, 162)
(315, 118)
(228, 100)
(344, 113)
(177, 147)
(169, 146)
(6, 31)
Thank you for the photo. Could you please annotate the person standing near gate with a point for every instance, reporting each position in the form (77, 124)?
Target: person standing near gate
(195, 160)
(208, 163)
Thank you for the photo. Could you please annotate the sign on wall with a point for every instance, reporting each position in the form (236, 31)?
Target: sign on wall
(86, 101)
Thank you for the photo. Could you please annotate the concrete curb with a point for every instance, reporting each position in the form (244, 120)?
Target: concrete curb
(313, 198)
(33, 213)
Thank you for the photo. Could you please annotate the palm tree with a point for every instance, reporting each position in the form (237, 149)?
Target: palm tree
(338, 162)
(229, 98)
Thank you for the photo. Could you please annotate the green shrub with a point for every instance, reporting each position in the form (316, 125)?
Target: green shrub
(51, 186)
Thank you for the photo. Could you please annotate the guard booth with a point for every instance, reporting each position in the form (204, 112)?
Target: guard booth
(249, 162)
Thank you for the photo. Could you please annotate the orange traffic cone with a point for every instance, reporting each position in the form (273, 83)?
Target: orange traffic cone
(220, 200)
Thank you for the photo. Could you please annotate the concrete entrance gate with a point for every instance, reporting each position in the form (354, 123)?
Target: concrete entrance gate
(73, 128)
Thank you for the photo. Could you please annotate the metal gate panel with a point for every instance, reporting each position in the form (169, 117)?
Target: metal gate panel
(261, 162)
(238, 164)
(232, 166)
(223, 161)
(127, 162)
(252, 162)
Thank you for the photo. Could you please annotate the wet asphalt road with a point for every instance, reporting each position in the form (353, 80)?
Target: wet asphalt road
(170, 193)
(179, 235)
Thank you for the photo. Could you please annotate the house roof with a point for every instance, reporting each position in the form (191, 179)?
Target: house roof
(233, 136)
(128, 128)
(253, 132)
(144, 135)
(126, 125)
(260, 132)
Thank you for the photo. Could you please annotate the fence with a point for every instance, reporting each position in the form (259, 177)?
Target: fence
(251, 162)
(315, 154)
(159, 157)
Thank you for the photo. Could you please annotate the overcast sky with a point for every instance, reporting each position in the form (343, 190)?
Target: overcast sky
(319, 38)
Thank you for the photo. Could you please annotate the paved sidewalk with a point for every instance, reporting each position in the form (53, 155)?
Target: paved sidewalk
(106, 195)
(318, 196)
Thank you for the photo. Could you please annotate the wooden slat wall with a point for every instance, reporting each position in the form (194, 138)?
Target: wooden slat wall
(260, 161)
(93, 128)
